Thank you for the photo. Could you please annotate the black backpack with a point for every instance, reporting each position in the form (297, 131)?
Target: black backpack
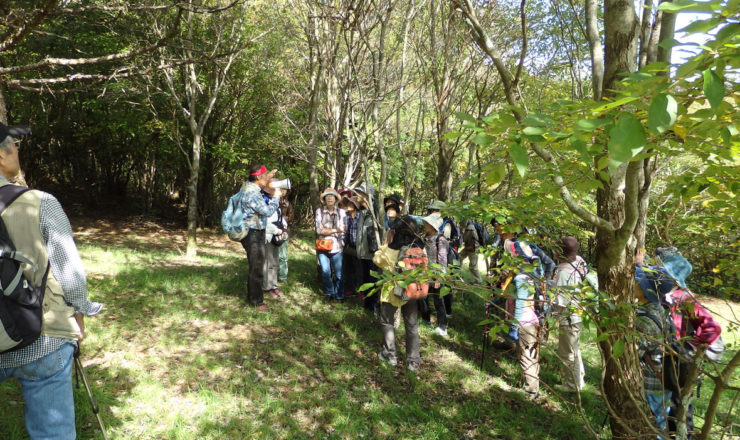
(455, 234)
(20, 302)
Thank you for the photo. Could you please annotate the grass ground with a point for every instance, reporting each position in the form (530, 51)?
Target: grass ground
(177, 355)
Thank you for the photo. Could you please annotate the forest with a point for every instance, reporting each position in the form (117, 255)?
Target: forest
(611, 121)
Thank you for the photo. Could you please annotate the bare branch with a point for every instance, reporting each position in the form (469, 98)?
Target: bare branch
(14, 37)
(48, 62)
(522, 12)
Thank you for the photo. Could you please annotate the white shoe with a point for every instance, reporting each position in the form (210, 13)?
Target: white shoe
(441, 331)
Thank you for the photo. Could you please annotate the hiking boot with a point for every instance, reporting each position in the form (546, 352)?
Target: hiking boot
(390, 360)
(412, 366)
(270, 293)
(441, 331)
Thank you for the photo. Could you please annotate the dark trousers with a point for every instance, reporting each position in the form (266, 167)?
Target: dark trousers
(254, 244)
(439, 306)
(371, 302)
(351, 269)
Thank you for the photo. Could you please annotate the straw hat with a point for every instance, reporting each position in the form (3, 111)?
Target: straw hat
(330, 192)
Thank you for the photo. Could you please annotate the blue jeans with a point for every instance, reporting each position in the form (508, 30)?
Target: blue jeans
(327, 262)
(659, 405)
(47, 390)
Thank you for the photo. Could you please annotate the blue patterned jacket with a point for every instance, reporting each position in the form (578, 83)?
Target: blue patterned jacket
(256, 210)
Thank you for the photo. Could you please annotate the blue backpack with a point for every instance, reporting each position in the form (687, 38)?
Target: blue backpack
(232, 219)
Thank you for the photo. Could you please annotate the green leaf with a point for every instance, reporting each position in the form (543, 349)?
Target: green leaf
(714, 88)
(626, 139)
(618, 347)
(496, 174)
(451, 135)
(534, 131)
(444, 291)
(365, 287)
(580, 147)
(701, 26)
(465, 117)
(615, 104)
(669, 43)
(521, 160)
(685, 6)
(536, 120)
(662, 113)
(483, 139)
(591, 124)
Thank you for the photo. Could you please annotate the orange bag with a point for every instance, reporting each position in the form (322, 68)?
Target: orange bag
(323, 244)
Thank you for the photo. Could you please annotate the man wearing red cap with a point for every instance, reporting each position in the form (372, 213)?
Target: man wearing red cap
(256, 212)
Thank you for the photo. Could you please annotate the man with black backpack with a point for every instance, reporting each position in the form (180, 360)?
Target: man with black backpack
(474, 237)
(36, 232)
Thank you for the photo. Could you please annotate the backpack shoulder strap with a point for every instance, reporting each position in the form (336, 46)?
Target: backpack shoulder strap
(8, 194)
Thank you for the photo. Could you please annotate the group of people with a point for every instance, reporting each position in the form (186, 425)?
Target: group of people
(352, 246)
(531, 286)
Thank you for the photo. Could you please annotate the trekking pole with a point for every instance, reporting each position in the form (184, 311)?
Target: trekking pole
(485, 337)
(80, 372)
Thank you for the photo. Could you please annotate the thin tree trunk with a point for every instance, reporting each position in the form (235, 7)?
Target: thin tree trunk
(597, 50)
(192, 244)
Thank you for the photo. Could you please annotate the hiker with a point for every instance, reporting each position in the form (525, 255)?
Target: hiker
(367, 242)
(473, 239)
(693, 324)
(330, 221)
(523, 308)
(273, 228)
(351, 266)
(405, 237)
(257, 210)
(41, 232)
(286, 208)
(451, 232)
(571, 272)
(649, 327)
(392, 213)
(437, 248)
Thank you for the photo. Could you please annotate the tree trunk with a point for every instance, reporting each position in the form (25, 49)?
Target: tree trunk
(3, 107)
(192, 245)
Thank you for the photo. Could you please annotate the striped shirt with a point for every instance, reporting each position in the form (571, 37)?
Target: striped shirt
(67, 269)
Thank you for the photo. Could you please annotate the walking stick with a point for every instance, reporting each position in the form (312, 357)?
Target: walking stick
(485, 336)
(80, 372)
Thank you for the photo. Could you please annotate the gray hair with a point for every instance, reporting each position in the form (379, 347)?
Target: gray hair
(5, 144)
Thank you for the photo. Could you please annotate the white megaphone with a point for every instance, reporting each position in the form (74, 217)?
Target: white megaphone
(281, 184)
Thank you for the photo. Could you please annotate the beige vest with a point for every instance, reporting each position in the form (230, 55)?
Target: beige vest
(21, 219)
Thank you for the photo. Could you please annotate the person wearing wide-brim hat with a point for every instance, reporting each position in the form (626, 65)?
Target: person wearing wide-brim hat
(42, 353)
(330, 223)
(437, 248)
(436, 206)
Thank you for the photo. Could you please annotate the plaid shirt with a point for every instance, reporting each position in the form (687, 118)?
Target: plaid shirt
(256, 210)
(68, 271)
(649, 345)
(351, 228)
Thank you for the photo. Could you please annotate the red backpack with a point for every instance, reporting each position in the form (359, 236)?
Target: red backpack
(409, 259)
